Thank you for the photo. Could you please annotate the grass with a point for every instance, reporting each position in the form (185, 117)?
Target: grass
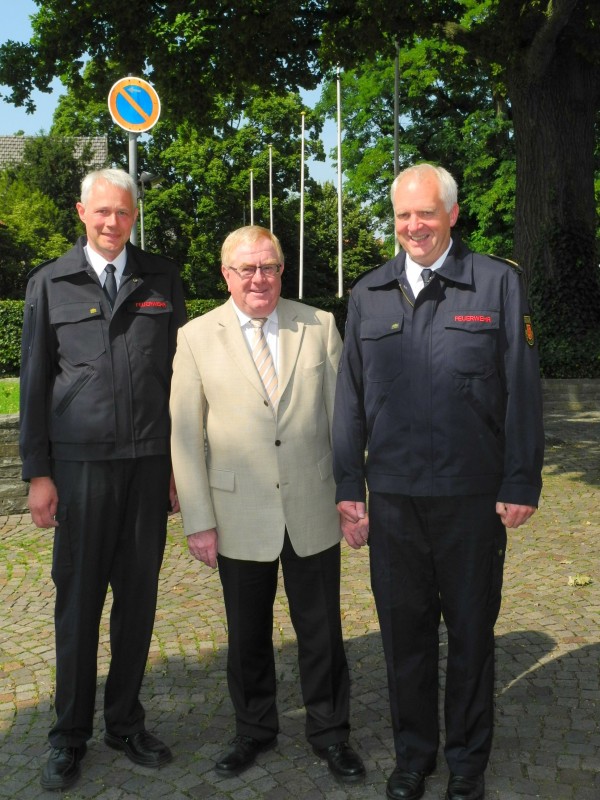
(9, 396)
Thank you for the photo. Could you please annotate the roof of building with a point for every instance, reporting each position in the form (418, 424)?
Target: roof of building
(13, 147)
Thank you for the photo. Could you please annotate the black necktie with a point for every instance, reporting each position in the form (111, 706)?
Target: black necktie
(110, 284)
(426, 275)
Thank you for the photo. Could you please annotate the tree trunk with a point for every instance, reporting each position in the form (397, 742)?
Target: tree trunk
(555, 217)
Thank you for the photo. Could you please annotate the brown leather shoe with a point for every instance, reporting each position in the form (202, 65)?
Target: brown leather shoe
(62, 768)
(241, 755)
(461, 787)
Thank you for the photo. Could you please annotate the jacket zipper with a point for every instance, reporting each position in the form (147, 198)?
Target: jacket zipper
(405, 295)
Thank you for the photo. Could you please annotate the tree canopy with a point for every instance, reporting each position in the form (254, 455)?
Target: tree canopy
(461, 128)
(192, 51)
(505, 93)
(201, 193)
(541, 60)
(37, 208)
(28, 234)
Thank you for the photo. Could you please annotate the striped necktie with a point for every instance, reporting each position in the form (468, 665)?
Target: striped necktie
(264, 361)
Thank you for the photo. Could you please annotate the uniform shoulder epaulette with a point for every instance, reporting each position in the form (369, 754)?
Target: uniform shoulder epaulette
(363, 274)
(35, 270)
(512, 264)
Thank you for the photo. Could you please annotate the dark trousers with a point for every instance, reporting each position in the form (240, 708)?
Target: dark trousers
(111, 532)
(312, 585)
(432, 556)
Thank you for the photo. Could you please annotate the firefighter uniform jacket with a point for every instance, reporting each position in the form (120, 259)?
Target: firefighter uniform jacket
(443, 391)
(95, 384)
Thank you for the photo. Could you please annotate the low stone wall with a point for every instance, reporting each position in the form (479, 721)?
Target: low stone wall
(560, 396)
(13, 492)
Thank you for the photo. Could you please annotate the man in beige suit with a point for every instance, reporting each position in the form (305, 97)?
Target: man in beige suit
(252, 463)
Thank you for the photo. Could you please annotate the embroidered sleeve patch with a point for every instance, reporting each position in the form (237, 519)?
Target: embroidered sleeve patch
(529, 337)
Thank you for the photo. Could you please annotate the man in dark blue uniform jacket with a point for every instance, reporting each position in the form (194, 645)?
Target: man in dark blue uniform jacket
(439, 383)
(98, 344)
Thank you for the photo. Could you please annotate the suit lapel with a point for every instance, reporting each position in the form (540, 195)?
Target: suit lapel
(234, 344)
(291, 333)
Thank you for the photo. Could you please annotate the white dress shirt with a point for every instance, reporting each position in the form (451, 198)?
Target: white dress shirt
(271, 329)
(414, 270)
(98, 264)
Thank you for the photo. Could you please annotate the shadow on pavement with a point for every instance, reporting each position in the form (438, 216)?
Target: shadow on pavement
(547, 730)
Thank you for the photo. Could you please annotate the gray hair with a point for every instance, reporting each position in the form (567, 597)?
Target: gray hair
(447, 184)
(116, 177)
(249, 234)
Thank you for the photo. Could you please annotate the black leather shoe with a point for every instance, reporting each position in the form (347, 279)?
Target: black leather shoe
(241, 755)
(343, 762)
(141, 748)
(404, 785)
(62, 768)
(461, 787)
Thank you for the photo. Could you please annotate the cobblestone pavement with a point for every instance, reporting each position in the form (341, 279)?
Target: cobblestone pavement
(547, 741)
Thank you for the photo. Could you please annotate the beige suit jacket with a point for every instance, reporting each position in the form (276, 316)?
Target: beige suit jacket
(238, 468)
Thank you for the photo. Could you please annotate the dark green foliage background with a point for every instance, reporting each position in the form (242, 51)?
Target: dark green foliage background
(562, 356)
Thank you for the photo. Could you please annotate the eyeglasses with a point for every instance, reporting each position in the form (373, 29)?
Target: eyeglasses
(246, 272)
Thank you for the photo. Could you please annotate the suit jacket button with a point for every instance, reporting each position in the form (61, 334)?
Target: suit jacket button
(277, 486)
(265, 402)
(277, 442)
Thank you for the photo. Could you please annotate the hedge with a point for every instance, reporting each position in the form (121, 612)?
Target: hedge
(561, 356)
(11, 322)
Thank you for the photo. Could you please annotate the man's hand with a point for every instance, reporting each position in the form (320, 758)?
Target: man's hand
(43, 502)
(173, 499)
(203, 546)
(354, 522)
(513, 515)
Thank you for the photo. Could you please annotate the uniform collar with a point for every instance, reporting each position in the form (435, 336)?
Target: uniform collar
(74, 261)
(98, 262)
(457, 268)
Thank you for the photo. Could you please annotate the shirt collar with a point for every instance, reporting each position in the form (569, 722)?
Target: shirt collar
(414, 269)
(98, 262)
(245, 319)
(457, 267)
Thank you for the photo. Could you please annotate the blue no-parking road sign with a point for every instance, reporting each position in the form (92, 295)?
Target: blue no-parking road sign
(134, 105)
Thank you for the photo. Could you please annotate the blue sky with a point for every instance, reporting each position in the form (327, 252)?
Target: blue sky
(16, 26)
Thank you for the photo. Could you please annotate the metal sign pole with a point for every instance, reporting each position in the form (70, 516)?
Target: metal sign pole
(135, 107)
(133, 168)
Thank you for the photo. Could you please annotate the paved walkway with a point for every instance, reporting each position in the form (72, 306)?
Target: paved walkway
(547, 741)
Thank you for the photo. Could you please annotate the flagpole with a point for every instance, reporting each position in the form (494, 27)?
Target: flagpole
(339, 170)
(301, 254)
(251, 197)
(271, 186)
(396, 124)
